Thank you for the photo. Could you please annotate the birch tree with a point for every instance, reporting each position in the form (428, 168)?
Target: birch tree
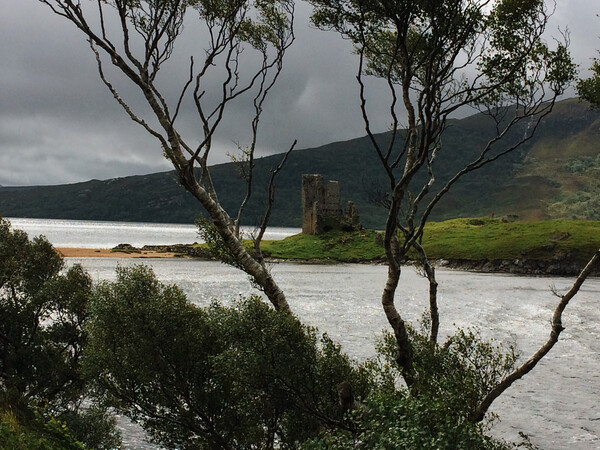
(437, 59)
(244, 43)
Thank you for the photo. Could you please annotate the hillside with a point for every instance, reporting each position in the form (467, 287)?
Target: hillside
(556, 175)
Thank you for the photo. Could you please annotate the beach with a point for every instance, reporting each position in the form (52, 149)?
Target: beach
(68, 252)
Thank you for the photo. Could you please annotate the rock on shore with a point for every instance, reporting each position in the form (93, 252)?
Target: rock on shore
(556, 267)
(181, 249)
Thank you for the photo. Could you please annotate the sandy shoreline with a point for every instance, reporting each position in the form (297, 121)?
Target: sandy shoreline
(108, 253)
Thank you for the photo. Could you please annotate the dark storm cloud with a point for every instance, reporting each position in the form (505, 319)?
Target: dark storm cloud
(59, 124)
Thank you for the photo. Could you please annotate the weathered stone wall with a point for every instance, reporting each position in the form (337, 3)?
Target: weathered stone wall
(331, 200)
(351, 214)
(312, 199)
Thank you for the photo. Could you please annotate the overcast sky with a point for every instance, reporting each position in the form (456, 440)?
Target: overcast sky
(59, 124)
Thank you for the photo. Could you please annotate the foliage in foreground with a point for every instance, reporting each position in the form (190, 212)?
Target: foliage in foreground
(36, 434)
(247, 376)
(396, 420)
(436, 413)
(43, 313)
(215, 377)
(237, 377)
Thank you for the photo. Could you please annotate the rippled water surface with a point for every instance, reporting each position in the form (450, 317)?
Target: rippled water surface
(557, 404)
(97, 234)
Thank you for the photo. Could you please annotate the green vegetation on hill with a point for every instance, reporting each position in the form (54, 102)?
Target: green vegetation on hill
(477, 239)
(555, 175)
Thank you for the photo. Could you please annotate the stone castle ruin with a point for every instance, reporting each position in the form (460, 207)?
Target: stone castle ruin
(321, 207)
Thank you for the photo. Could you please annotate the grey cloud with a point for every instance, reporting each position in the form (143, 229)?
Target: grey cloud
(59, 124)
(42, 150)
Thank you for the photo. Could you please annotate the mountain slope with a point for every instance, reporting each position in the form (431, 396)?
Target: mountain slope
(555, 175)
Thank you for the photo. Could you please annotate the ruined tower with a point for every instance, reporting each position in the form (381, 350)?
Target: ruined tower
(321, 207)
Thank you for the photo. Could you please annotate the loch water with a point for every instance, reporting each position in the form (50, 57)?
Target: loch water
(557, 404)
(100, 234)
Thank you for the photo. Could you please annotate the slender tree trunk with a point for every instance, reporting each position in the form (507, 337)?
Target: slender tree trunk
(389, 291)
(221, 219)
(433, 306)
(222, 222)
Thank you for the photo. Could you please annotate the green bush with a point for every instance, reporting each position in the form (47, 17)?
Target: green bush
(218, 377)
(39, 356)
(38, 433)
(436, 412)
(248, 376)
(43, 312)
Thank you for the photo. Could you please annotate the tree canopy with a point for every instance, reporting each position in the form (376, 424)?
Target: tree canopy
(589, 88)
(43, 316)
(217, 377)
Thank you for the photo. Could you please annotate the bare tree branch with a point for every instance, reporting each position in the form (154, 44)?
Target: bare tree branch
(147, 32)
(555, 332)
(270, 201)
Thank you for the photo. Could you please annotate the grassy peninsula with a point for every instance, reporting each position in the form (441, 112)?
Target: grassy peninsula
(468, 243)
(553, 247)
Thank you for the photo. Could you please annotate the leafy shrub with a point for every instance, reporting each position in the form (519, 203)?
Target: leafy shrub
(436, 412)
(38, 433)
(396, 420)
(459, 374)
(216, 377)
(41, 321)
(42, 317)
(248, 376)
(583, 164)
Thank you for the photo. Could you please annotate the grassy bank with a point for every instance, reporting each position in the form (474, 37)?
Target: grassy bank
(335, 246)
(458, 239)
